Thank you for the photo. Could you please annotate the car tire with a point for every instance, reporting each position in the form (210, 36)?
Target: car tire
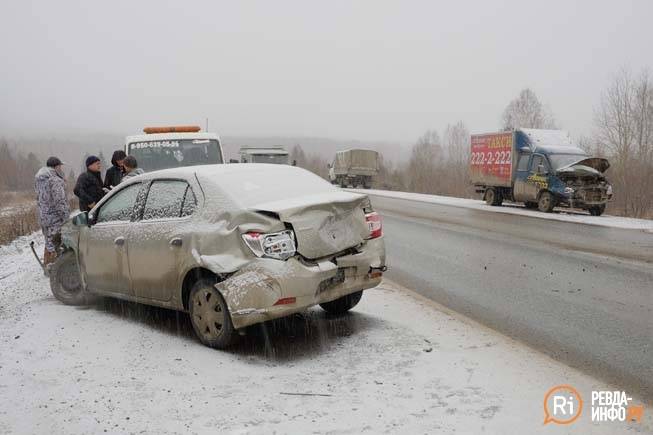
(493, 197)
(546, 202)
(65, 282)
(210, 316)
(342, 304)
(597, 210)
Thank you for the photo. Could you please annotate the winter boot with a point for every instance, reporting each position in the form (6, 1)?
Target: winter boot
(48, 258)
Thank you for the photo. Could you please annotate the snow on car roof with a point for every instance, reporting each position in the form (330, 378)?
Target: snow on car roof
(253, 184)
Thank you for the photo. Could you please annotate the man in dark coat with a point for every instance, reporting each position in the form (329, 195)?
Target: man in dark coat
(89, 184)
(52, 203)
(115, 173)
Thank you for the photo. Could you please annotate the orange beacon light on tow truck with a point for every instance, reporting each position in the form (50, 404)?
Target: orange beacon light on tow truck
(172, 129)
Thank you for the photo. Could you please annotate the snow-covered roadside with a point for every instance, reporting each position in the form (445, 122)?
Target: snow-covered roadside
(508, 208)
(397, 364)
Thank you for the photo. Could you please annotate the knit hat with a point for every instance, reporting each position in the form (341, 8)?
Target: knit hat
(90, 160)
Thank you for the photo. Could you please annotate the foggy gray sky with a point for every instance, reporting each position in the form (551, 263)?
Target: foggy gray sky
(365, 70)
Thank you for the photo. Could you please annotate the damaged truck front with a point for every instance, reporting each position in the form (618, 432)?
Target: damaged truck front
(541, 168)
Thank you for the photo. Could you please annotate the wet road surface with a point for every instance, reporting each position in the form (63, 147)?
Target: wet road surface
(582, 294)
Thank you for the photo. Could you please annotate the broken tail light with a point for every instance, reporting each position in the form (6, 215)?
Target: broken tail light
(375, 224)
(286, 301)
(279, 246)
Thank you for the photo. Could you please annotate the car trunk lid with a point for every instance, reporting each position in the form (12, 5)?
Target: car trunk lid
(325, 223)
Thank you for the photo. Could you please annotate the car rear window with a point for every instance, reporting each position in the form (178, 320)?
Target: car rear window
(271, 183)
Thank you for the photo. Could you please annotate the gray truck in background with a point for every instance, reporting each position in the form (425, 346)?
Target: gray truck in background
(271, 154)
(355, 167)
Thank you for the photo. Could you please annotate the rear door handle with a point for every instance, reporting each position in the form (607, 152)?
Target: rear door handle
(119, 241)
(176, 242)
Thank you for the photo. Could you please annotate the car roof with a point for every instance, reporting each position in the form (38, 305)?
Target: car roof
(215, 171)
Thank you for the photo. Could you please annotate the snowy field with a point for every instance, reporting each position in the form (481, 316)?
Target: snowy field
(559, 214)
(397, 364)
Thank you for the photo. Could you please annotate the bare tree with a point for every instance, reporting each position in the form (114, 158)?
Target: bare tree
(528, 112)
(421, 174)
(454, 169)
(391, 176)
(311, 162)
(624, 127)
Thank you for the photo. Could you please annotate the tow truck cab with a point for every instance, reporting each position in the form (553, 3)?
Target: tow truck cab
(173, 147)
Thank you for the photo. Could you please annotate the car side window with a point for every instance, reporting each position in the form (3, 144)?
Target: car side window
(537, 161)
(165, 199)
(522, 165)
(190, 203)
(120, 206)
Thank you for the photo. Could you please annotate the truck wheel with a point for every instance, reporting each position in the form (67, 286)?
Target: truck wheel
(343, 304)
(65, 282)
(597, 210)
(546, 202)
(493, 197)
(210, 316)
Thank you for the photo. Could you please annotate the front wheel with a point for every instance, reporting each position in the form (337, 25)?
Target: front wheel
(210, 316)
(597, 210)
(65, 282)
(546, 202)
(342, 304)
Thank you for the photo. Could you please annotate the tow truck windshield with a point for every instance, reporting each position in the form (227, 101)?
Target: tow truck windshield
(174, 153)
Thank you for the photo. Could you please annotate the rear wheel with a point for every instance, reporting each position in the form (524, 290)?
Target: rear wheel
(65, 282)
(343, 304)
(597, 210)
(546, 202)
(493, 197)
(210, 316)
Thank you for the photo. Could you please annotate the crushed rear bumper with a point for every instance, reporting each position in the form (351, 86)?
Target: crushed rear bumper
(253, 292)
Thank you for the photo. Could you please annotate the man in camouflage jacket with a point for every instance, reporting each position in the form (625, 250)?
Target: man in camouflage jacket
(53, 208)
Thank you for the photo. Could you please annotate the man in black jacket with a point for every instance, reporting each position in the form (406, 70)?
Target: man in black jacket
(115, 173)
(89, 184)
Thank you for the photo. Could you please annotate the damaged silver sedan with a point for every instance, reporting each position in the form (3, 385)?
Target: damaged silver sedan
(232, 245)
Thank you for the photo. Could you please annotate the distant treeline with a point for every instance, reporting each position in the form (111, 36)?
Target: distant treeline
(17, 169)
(439, 163)
(622, 132)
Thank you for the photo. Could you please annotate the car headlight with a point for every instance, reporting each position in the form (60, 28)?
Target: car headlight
(279, 246)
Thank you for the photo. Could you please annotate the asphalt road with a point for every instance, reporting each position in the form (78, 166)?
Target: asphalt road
(582, 294)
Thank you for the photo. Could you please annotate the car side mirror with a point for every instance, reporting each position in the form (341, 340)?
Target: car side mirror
(81, 219)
